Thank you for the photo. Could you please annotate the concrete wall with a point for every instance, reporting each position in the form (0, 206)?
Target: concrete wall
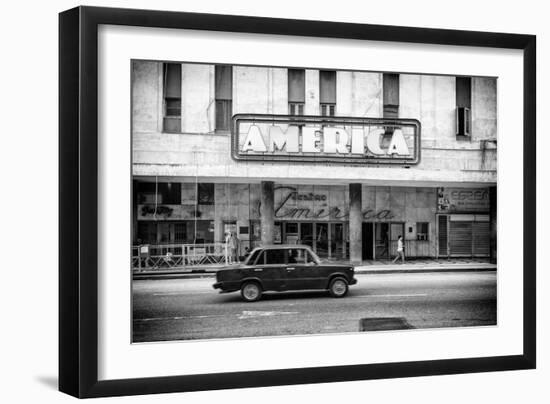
(197, 98)
(260, 90)
(431, 100)
(359, 94)
(484, 108)
(146, 96)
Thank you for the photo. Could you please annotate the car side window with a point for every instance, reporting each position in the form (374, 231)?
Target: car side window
(276, 257)
(309, 259)
(297, 256)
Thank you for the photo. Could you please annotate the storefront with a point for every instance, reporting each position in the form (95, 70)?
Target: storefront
(190, 212)
(464, 222)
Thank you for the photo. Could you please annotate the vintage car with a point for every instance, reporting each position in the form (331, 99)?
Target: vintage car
(280, 268)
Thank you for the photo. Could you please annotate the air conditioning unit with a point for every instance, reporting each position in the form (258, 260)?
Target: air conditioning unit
(171, 124)
(463, 121)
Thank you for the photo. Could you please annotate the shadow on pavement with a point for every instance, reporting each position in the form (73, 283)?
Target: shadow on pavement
(272, 296)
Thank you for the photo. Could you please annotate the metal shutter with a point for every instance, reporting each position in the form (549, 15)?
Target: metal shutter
(481, 234)
(327, 84)
(460, 238)
(296, 86)
(223, 86)
(442, 235)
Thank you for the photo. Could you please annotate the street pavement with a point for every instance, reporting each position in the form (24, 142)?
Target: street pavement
(189, 308)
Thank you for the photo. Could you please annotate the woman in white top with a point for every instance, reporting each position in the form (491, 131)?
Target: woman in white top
(400, 252)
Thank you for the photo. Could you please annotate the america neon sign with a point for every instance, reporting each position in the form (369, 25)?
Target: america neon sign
(322, 139)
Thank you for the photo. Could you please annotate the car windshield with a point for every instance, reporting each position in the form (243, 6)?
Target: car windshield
(252, 257)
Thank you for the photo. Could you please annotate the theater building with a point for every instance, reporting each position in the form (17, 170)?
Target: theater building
(342, 161)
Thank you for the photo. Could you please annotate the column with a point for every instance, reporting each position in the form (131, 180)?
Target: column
(493, 222)
(267, 211)
(355, 224)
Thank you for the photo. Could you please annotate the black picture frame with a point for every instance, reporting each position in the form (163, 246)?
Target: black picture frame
(78, 201)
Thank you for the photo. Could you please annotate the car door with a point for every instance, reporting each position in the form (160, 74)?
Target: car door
(302, 271)
(270, 268)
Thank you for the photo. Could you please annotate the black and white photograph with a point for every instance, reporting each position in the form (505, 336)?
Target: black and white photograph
(272, 201)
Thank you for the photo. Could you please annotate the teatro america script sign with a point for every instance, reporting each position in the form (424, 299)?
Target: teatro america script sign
(324, 139)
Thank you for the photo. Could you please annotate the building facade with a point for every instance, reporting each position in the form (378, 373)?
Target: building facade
(189, 189)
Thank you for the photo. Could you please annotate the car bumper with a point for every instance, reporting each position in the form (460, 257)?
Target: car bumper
(353, 281)
(226, 286)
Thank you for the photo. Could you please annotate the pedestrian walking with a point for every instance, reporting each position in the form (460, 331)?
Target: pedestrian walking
(400, 252)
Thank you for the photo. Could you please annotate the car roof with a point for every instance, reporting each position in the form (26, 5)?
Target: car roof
(282, 246)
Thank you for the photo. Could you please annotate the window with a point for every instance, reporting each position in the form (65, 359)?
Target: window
(168, 193)
(422, 232)
(205, 194)
(327, 92)
(274, 257)
(296, 91)
(172, 97)
(295, 108)
(328, 109)
(146, 232)
(204, 232)
(180, 232)
(463, 106)
(291, 228)
(224, 97)
(390, 87)
(298, 256)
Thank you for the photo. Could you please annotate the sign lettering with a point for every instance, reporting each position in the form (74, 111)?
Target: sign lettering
(463, 200)
(284, 211)
(325, 139)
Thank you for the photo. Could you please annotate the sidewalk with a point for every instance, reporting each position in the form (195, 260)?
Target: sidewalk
(367, 267)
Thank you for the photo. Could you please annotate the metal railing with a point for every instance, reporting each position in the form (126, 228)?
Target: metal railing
(165, 256)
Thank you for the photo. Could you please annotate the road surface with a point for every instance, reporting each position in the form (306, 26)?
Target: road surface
(176, 309)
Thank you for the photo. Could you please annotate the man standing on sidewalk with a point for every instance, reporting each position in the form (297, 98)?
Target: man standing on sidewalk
(234, 247)
(400, 252)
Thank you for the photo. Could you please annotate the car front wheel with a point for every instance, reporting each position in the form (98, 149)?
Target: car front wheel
(251, 291)
(338, 287)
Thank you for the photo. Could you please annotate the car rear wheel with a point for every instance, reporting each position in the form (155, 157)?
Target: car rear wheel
(251, 291)
(338, 287)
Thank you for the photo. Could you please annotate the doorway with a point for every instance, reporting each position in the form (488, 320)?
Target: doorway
(328, 240)
(321, 240)
(382, 241)
(367, 240)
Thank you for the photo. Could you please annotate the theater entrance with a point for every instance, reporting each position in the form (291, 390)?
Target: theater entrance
(329, 240)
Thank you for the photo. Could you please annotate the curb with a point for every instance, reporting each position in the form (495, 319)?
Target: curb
(393, 270)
